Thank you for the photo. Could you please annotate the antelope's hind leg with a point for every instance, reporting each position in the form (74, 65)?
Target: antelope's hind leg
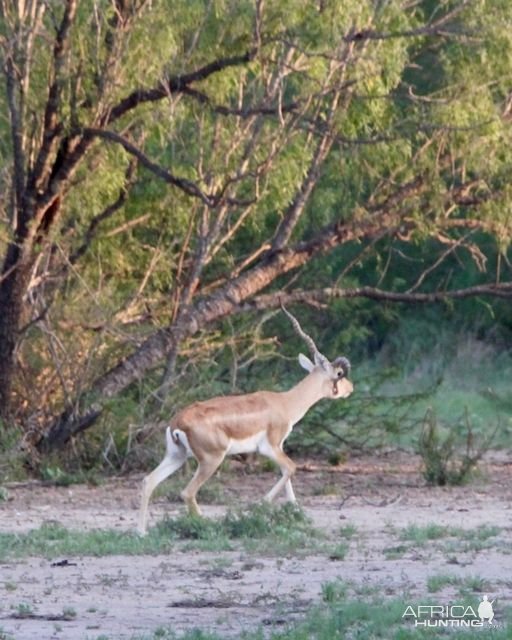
(207, 466)
(175, 456)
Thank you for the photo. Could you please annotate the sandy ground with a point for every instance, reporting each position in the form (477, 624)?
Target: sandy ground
(122, 597)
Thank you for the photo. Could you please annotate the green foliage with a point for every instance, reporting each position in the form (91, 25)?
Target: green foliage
(414, 104)
(12, 456)
(55, 475)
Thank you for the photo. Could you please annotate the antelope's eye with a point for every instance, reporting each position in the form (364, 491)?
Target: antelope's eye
(340, 374)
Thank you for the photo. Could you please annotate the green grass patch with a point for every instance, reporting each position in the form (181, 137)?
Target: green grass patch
(338, 551)
(287, 527)
(264, 518)
(420, 535)
(467, 585)
(53, 474)
(52, 540)
(359, 619)
(347, 531)
(474, 584)
(395, 551)
(484, 532)
(474, 540)
(449, 540)
(336, 591)
(437, 583)
(471, 539)
(23, 610)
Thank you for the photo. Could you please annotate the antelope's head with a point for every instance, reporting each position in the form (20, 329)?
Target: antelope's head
(337, 385)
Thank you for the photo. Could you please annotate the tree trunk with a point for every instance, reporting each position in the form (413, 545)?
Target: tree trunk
(13, 286)
(20, 258)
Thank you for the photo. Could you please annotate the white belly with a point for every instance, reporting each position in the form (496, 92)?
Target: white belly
(247, 445)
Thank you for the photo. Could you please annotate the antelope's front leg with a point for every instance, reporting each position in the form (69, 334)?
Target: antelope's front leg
(288, 468)
(290, 494)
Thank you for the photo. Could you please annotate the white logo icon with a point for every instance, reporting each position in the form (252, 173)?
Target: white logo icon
(485, 610)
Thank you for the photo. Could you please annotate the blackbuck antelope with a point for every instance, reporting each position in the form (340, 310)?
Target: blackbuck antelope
(260, 421)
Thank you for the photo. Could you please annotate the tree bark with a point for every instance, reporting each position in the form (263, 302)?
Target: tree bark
(13, 286)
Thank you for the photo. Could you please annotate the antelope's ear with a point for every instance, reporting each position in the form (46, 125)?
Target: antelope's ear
(306, 363)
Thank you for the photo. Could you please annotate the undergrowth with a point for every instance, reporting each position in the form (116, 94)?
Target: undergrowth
(451, 453)
(449, 371)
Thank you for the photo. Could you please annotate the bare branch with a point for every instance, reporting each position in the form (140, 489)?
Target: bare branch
(453, 245)
(296, 207)
(17, 60)
(245, 112)
(184, 184)
(315, 296)
(436, 28)
(52, 127)
(298, 204)
(175, 84)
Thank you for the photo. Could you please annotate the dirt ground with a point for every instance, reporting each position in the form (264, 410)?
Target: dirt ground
(122, 597)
